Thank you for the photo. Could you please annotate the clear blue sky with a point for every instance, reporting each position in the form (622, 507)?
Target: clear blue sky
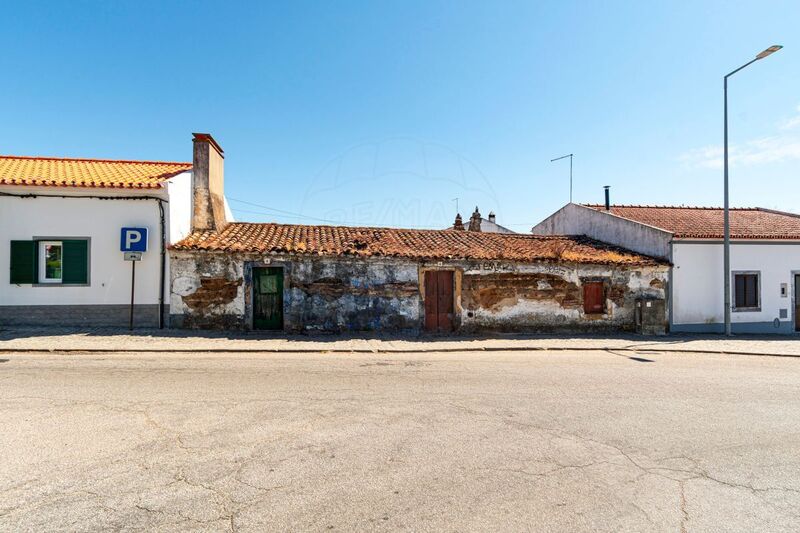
(380, 113)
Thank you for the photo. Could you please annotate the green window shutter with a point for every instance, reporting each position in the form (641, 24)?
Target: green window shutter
(75, 257)
(23, 261)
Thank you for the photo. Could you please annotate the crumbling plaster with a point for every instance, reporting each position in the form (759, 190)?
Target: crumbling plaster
(213, 290)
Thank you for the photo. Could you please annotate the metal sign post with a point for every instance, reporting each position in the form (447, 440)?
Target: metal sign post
(133, 242)
(133, 257)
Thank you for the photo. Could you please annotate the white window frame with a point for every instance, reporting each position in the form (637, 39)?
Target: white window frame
(42, 245)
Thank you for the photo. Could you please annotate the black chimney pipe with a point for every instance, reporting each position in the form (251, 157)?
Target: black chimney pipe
(608, 197)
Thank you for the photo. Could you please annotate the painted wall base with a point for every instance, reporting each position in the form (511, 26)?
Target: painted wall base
(749, 328)
(144, 316)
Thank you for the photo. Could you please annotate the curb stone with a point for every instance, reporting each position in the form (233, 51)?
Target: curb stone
(66, 351)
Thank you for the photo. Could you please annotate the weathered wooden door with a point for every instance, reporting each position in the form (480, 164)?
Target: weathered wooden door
(797, 302)
(593, 300)
(268, 298)
(439, 300)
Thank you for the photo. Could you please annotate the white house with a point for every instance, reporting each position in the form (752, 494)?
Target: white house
(60, 236)
(765, 260)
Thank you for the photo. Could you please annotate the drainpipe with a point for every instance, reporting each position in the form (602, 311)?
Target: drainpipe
(163, 264)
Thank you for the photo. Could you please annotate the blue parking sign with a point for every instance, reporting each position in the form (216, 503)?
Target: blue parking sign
(133, 240)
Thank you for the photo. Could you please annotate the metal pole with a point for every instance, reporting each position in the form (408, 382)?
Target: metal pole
(570, 178)
(726, 211)
(726, 223)
(133, 284)
(726, 246)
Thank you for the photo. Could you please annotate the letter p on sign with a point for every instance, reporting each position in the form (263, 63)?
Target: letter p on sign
(133, 240)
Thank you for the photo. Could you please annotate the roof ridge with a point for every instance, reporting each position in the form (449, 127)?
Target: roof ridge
(778, 212)
(390, 228)
(698, 207)
(92, 160)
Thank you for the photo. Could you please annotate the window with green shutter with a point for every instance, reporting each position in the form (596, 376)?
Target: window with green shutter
(62, 262)
(23, 262)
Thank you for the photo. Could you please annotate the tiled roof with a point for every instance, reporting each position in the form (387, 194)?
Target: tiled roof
(409, 243)
(62, 172)
(707, 222)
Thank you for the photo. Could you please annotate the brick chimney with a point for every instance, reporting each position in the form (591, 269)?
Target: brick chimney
(492, 217)
(458, 224)
(475, 221)
(208, 179)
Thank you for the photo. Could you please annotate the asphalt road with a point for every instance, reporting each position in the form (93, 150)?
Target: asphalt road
(589, 441)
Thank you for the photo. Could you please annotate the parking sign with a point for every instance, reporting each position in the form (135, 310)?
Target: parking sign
(133, 240)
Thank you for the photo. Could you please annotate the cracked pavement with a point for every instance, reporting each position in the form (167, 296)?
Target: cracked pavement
(540, 441)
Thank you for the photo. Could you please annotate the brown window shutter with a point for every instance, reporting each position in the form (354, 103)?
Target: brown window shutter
(593, 297)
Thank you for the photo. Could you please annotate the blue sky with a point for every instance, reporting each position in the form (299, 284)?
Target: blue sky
(381, 113)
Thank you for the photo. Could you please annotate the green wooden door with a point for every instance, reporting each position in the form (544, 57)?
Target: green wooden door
(268, 298)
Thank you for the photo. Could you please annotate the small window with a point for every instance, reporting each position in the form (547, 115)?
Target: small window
(50, 261)
(594, 298)
(746, 291)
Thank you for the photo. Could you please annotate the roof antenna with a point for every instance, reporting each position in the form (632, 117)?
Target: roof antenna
(456, 201)
(570, 172)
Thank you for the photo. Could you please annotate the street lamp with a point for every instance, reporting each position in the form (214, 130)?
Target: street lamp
(726, 213)
(570, 172)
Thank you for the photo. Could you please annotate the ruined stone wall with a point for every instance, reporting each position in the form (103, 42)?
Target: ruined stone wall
(335, 294)
(344, 294)
(214, 290)
(547, 297)
(207, 290)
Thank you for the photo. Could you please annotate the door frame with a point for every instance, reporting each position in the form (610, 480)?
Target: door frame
(250, 287)
(457, 273)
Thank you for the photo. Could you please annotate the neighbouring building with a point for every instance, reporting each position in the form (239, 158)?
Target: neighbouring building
(60, 231)
(765, 259)
(331, 279)
(478, 223)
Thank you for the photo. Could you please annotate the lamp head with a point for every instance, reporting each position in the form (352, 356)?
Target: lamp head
(771, 50)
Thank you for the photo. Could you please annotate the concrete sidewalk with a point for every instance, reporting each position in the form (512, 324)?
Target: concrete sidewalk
(122, 340)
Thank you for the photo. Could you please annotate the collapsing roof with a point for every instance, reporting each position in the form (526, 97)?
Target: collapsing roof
(65, 172)
(707, 222)
(408, 243)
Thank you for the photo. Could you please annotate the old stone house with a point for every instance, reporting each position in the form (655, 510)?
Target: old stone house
(327, 278)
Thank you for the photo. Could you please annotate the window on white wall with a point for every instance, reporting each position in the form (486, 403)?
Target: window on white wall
(746, 291)
(50, 262)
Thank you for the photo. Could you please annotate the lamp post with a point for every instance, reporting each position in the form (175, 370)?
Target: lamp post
(726, 211)
(570, 172)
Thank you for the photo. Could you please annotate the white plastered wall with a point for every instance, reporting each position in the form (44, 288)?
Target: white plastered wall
(697, 296)
(100, 220)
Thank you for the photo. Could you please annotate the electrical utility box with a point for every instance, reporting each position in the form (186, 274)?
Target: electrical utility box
(651, 316)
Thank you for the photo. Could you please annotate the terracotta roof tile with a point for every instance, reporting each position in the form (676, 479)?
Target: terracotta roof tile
(62, 172)
(707, 222)
(409, 243)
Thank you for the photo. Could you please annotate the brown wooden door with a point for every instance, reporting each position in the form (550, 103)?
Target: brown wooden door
(439, 300)
(593, 300)
(797, 302)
